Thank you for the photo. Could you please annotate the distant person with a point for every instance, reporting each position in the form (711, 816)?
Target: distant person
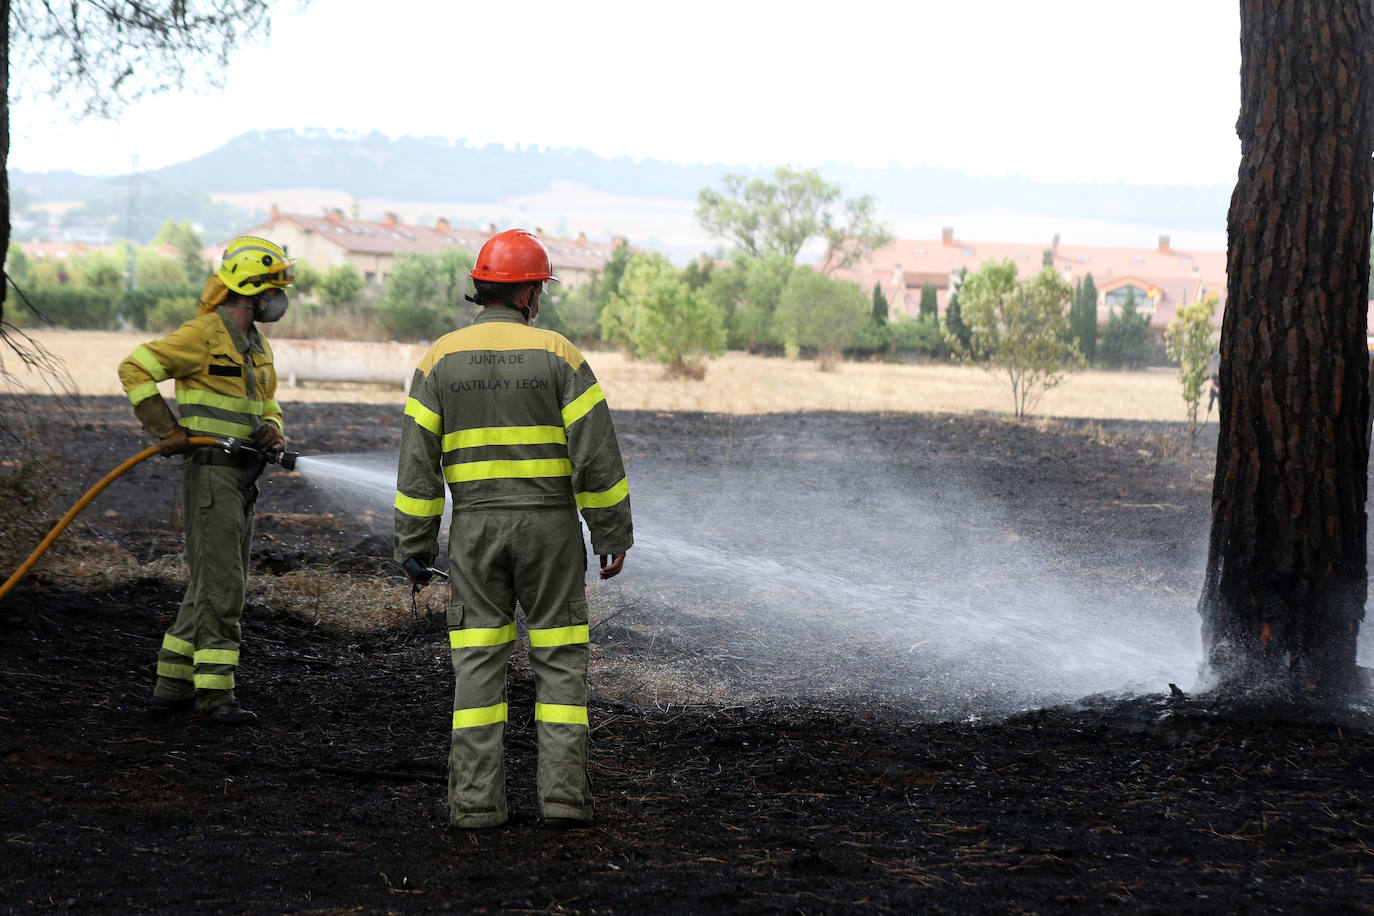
(1214, 380)
(512, 419)
(225, 386)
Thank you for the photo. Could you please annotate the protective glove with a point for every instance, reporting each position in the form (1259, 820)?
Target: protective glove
(175, 442)
(417, 572)
(267, 438)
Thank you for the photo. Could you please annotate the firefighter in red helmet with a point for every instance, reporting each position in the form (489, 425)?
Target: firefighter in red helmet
(511, 421)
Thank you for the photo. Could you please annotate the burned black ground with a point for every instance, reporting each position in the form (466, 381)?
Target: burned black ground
(334, 803)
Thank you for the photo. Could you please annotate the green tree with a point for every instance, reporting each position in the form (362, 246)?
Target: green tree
(307, 278)
(780, 216)
(341, 287)
(1083, 323)
(17, 265)
(189, 246)
(879, 305)
(1189, 341)
(570, 312)
(170, 313)
(959, 337)
(1125, 339)
(697, 273)
(917, 336)
(930, 305)
(821, 312)
(747, 294)
(101, 272)
(608, 283)
(658, 316)
(1020, 330)
(157, 269)
(425, 294)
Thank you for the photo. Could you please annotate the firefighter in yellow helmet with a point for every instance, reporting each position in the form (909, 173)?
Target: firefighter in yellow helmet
(225, 386)
(511, 419)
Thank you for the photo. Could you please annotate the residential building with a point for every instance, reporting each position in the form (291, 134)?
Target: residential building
(372, 247)
(1162, 278)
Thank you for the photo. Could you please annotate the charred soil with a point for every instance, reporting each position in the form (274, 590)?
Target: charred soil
(333, 802)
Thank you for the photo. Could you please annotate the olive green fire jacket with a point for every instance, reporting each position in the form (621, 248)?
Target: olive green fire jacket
(226, 384)
(508, 417)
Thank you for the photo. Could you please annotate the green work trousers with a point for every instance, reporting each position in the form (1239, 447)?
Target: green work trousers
(496, 558)
(201, 649)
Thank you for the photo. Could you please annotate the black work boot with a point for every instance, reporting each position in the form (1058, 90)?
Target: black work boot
(567, 823)
(160, 708)
(229, 714)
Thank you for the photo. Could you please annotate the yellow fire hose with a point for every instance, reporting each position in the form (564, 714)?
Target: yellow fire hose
(81, 503)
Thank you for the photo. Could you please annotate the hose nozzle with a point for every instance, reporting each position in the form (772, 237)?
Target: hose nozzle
(259, 458)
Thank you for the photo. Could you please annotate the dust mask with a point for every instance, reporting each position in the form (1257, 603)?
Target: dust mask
(270, 307)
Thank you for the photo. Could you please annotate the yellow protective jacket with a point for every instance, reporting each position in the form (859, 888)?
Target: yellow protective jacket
(225, 383)
(509, 417)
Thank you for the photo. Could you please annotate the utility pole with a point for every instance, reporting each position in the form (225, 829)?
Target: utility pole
(130, 207)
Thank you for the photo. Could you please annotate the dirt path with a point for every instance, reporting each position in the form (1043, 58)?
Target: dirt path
(774, 796)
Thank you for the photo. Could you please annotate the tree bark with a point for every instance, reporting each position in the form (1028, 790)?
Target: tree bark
(1285, 586)
(5, 145)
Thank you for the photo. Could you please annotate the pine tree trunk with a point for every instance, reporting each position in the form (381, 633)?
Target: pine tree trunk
(1285, 587)
(5, 145)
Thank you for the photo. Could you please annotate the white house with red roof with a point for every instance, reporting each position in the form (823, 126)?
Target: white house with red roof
(1162, 278)
(333, 239)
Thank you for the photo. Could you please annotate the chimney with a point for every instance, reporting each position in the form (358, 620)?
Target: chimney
(581, 238)
(276, 214)
(1163, 244)
(1054, 243)
(441, 225)
(333, 214)
(491, 228)
(389, 219)
(947, 235)
(539, 232)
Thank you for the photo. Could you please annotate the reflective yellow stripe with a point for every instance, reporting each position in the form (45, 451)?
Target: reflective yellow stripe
(481, 636)
(222, 401)
(482, 715)
(217, 657)
(424, 417)
(505, 435)
(175, 672)
(179, 646)
(214, 681)
(419, 508)
(564, 715)
(581, 404)
(499, 470)
(140, 393)
(273, 407)
(605, 498)
(216, 427)
(558, 636)
(145, 358)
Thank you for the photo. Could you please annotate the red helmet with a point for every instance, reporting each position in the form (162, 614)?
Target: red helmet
(513, 256)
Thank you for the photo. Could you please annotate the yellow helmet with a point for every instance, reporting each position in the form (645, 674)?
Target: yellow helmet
(250, 263)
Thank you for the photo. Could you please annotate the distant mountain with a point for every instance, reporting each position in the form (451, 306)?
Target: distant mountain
(426, 169)
(429, 168)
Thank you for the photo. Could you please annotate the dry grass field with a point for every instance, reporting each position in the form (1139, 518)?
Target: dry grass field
(736, 383)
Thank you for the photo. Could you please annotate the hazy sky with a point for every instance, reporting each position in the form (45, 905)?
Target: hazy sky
(1142, 92)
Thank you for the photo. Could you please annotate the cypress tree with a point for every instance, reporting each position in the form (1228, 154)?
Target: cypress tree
(1087, 330)
(930, 308)
(879, 305)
